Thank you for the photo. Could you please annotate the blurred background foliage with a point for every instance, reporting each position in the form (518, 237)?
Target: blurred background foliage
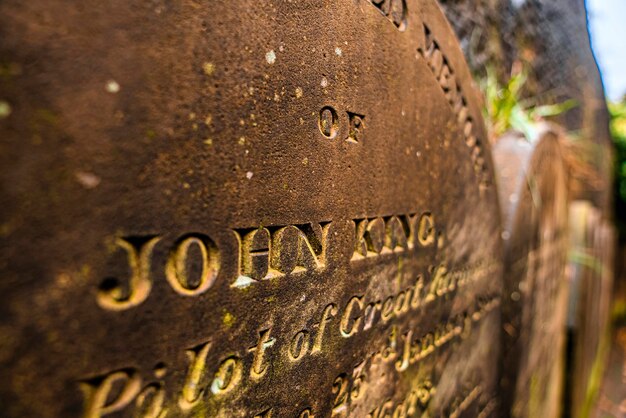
(506, 108)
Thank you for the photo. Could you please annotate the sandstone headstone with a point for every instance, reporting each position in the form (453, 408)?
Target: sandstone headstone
(591, 275)
(244, 208)
(532, 181)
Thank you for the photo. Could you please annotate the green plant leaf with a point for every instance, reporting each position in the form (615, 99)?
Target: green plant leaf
(554, 109)
(505, 108)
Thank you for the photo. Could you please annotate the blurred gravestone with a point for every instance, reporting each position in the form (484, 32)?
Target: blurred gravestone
(532, 180)
(591, 277)
(551, 40)
(247, 208)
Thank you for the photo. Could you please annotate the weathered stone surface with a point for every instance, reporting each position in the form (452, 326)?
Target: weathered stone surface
(245, 208)
(533, 181)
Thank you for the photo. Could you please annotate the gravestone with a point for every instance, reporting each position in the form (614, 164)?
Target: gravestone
(532, 184)
(245, 208)
(589, 316)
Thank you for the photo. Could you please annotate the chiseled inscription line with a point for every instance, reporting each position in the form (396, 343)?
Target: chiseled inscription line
(442, 70)
(460, 326)
(361, 314)
(349, 387)
(263, 253)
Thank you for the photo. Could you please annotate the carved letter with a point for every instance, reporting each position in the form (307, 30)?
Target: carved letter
(329, 312)
(426, 232)
(98, 391)
(370, 314)
(417, 292)
(375, 235)
(191, 392)
(294, 250)
(258, 368)
(227, 376)
(438, 284)
(155, 408)
(403, 363)
(357, 127)
(139, 285)
(360, 245)
(445, 76)
(299, 345)
(312, 241)
(398, 12)
(284, 252)
(436, 61)
(402, 303)
(254, 254)
(306, 414)
(177, 271)
(387, 312)
(350, 326)
(395, 236)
